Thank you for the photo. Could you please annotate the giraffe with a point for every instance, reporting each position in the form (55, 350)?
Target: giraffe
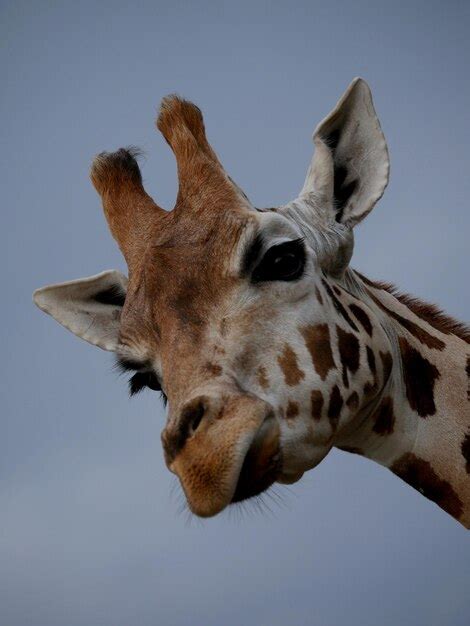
(268, 347)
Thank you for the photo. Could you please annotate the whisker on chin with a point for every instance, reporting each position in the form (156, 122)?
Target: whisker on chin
(262, 504)
(175, 490)
(182, 508)
(277, 499)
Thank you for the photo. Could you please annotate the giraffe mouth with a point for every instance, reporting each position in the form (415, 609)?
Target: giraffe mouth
(262, 464)
(231, 459)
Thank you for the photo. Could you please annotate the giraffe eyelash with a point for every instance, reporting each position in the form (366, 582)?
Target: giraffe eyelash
(141, 379)
(124, 364)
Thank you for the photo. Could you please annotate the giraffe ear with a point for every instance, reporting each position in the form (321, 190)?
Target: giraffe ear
(350, 167)
(89, 307)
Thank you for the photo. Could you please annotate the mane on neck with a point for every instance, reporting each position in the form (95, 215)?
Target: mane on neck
(430, 313)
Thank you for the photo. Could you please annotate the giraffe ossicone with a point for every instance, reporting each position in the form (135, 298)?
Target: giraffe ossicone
(270, 349)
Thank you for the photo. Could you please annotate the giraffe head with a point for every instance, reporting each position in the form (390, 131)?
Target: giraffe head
(239, 315)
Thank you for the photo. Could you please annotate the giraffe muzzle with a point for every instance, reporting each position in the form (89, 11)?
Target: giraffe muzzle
(230, 457)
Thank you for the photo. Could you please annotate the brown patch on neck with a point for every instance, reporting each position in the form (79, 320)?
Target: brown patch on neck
(335, 406)
(317, 340)
(466, 451)
(348, 346)
(467, 369)
(430, 313)
(292, 409)
(371, 388)
(353, 401)
(317, 404)
(289, 366)
(371, 360)
(362, 318)
(338, 306)
(420, 475)
(384, 417)
(420, 376)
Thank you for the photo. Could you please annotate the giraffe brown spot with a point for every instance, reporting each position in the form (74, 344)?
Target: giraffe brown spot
(420, 475)
(337, 290)
(353, 401)
(351, 449)
(317, 340)
(317, 404)
(371, 360)
(334, 407)
(420, 376)
(387, 364)
(262, 377)
(319, 296)
(213, 368)
(348, 346)
(292, 409)
(466, 451)
(467, 369)
(431, 341)
(362, 318)
(370, 389)
(289, 366)
(339, 307)
(384, 418)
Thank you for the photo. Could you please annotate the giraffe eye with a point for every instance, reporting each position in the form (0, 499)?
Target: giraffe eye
(285, 261)
(139, 381)
(143, 380)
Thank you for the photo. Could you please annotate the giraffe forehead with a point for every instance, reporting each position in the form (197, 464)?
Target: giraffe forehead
(193, 263)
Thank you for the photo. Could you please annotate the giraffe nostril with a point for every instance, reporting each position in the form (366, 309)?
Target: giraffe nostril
(192, 416)
(184, 427)
(196, 417)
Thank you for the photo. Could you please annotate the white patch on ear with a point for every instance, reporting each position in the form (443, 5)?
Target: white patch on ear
(350, 167)
(89, 307)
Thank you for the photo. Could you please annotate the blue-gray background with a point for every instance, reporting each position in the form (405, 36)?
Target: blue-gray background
(90, 534)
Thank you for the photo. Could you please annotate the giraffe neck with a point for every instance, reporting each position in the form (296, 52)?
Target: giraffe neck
(419, 427)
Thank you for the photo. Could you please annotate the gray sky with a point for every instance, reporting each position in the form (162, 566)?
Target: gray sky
(90, 533)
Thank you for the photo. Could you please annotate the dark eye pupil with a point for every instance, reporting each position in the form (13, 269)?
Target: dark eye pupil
(284, 261)
(286, 264)
(152, 383)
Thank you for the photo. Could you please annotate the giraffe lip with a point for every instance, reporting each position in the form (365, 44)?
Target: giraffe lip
(228, 456)
(262, 463)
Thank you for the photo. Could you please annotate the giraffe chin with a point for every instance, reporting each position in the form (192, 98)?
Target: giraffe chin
(262, 463)
(289, 479)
